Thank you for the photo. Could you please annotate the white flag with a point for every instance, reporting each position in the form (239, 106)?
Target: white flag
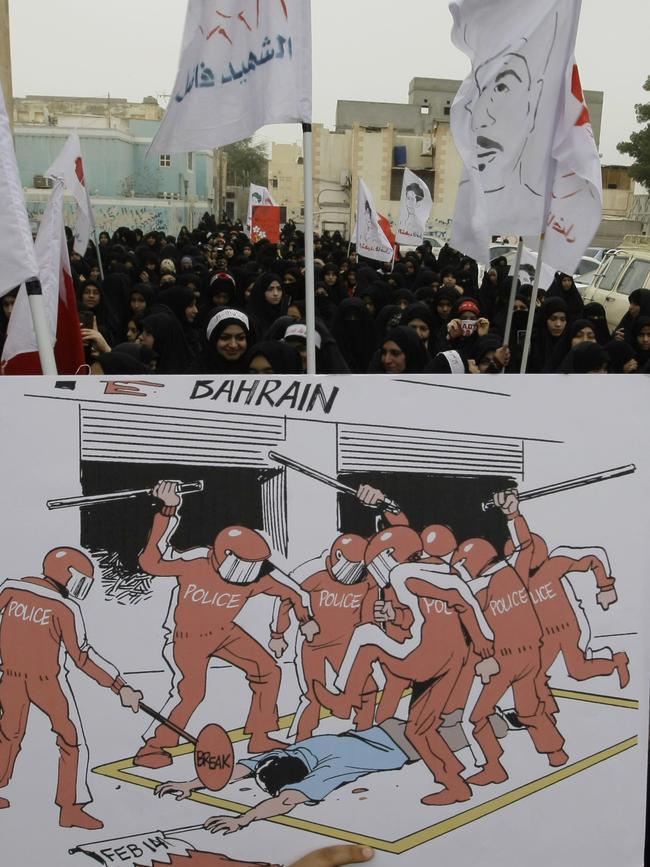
(243, 65)
(576, 206)
(257, 196)
(17, 257)
(506, 113)
(371, 239)
(69, 166)
(415, 208)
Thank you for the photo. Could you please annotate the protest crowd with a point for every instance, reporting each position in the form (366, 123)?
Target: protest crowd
(211, 301)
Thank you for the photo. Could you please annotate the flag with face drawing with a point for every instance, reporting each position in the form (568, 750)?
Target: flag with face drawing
(371, 239)
(155, 849)
(513, 121)
(414, 211)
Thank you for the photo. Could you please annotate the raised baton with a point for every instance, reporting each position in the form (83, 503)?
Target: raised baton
(569, 485)
(387, 504)
(190, 488)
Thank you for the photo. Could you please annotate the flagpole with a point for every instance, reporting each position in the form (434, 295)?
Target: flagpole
(99, 255)
(310, 304)
(533, 305)
(513, 292)
(392, 261)
(41, 330)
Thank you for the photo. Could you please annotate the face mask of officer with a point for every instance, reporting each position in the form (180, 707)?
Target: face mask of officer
(347, 571)
(78, 585)
(236, 571)
(381, 566)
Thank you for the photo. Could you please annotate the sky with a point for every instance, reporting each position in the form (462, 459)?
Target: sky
(363, 50)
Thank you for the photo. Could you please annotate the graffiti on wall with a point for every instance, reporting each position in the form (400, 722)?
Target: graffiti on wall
(109, 217)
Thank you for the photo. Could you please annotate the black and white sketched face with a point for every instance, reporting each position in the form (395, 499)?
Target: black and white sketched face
(505, 104)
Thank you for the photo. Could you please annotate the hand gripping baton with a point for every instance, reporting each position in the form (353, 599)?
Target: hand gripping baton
(386, 504)
(191, 488)
(569, 485)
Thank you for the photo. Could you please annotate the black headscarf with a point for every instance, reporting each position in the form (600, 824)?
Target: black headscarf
(120, 363)
(545, 348)
(620, 353)
(640, 297)
(595, 313)
(416, 354)
(282, 357)
(389, 317)
(422, 311)
(571, 295)
(642, 355)
(264, 313)
(169, 342)
(354, 331)
(584, 358)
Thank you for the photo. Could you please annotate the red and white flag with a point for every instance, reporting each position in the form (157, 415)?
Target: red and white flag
(69, 166)
(20, 353)
(517, 125)
(371, 239)
(243, 65)
(17, 257)
(257, 196)
(576, 206)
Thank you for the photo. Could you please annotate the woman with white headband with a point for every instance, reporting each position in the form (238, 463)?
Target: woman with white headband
(228, 337)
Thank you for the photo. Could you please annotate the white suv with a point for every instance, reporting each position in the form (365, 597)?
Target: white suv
(627, 269)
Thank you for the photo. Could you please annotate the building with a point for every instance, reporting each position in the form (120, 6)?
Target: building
(376, 141)
(127, 187)
(618, 203)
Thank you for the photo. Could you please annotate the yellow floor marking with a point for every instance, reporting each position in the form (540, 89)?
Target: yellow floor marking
(119, 770)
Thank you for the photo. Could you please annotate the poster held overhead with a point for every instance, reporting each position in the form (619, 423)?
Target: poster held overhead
(17, 256)
(415, 209)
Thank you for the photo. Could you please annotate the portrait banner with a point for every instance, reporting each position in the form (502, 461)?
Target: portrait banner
(269, 614)
(511, 117)
(371, 239)
(415, 209)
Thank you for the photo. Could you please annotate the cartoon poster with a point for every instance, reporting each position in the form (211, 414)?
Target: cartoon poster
(241, 619)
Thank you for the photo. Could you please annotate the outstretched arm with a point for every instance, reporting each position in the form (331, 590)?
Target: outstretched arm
(280, 805)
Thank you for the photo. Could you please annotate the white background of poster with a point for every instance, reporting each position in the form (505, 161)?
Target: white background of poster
(572, 426)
